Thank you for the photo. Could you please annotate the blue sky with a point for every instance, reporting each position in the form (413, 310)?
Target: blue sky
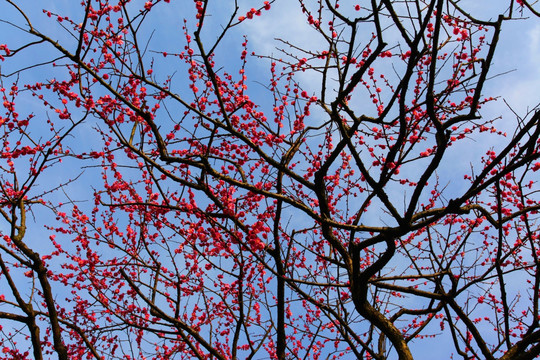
(517, 60)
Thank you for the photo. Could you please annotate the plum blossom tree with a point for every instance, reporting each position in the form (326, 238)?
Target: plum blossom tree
(170, 191)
